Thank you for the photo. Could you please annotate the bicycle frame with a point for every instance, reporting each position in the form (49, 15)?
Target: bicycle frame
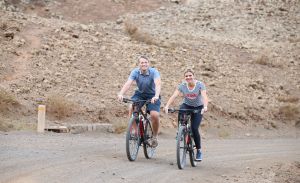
(184, 136)
(138, 122)
(139, 115)
(186, 123)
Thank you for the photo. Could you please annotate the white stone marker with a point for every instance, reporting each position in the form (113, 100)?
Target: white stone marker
(41, 118)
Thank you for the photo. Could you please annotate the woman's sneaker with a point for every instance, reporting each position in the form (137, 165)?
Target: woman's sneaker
(198, 155)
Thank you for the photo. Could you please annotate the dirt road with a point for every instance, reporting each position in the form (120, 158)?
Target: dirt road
(95, 157)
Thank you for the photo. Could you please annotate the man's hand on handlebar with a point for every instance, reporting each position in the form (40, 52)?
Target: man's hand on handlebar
(120, 97)
(154, 99)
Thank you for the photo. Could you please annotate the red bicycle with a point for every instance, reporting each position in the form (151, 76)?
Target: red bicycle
(139, 131)
(184, 139)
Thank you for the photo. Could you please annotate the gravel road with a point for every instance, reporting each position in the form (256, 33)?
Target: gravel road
(100, 157)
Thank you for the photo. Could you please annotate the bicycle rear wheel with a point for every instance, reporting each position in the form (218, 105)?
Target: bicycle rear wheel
(181, 147)
(148, 150)
(192, 151)
(132, 140)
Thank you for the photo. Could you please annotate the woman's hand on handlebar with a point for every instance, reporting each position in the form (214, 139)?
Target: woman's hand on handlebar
(166, 108)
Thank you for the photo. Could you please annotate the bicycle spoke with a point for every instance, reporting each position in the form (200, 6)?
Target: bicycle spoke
(181, 148)
(149, 151)
(132, 140)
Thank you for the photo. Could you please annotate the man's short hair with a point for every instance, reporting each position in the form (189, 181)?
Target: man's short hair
(144, 57)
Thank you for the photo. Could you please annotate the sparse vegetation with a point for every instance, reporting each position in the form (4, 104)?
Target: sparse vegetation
(263, 60)
(288, 99)
(120, 127)
(289, 112)
(223, 133)
(267, 61)
(6, 101)
(139, 35)
(59, 107)
(4, 126)
(3, 25)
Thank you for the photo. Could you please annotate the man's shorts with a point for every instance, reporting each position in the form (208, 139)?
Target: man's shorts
(150, 107)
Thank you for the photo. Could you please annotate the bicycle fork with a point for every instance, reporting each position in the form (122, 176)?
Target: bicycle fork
(141, 126)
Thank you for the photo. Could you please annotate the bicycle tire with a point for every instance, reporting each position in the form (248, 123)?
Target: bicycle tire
(132, 140)
(181, 147)
(192, 152)
(149, 151)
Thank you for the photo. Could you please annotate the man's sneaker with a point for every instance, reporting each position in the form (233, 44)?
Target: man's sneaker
(154, 142)
(198, 155)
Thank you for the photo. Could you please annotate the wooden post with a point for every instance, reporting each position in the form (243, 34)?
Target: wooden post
(41, 118)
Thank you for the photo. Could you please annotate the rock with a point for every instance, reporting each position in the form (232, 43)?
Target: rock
(119, 21)
(9, 34)
(84, 27)
(175, 1)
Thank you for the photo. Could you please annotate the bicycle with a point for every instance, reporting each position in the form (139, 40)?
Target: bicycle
(139, 131)
(184, 138)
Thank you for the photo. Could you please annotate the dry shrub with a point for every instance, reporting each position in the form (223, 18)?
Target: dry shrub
(288, 99)
(4, 126)
(289, 112)
(7, 100)
(3, 25)
(120, 128)
(294, 40)
(223, 133)
(265, 60)
(139, 35)
(130, 28)
(60, 107)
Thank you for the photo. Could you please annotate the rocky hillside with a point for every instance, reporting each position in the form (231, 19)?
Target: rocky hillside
(246, 52)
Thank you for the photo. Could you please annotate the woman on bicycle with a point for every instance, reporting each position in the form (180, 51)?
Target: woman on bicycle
(195, 97)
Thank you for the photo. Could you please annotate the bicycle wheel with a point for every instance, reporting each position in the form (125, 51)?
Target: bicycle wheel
(192, 151)
(181, 147)
(148, 150)
(132, 140)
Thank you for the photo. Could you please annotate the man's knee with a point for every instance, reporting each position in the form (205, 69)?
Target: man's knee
(154, 115)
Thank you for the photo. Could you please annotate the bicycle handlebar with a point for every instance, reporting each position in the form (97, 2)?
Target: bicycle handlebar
(184, 110)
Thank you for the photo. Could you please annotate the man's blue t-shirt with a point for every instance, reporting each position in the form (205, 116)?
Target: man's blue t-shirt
(145, 82)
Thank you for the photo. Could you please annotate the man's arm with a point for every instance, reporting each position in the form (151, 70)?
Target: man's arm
(124, 89)
(157, 87)
(157, 83)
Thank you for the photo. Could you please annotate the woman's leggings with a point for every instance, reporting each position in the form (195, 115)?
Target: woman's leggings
(196, 119)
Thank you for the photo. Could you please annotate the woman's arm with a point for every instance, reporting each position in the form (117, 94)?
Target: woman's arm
(171, 100)
(205, 99)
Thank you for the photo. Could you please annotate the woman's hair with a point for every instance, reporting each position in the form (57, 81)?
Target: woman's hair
(188, 70)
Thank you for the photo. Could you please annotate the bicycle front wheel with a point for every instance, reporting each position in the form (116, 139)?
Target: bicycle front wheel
(148, 150)
(132, 140)
(192, 151)
(181, 147)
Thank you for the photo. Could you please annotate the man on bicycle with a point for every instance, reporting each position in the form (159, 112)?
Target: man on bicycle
(148, 88)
